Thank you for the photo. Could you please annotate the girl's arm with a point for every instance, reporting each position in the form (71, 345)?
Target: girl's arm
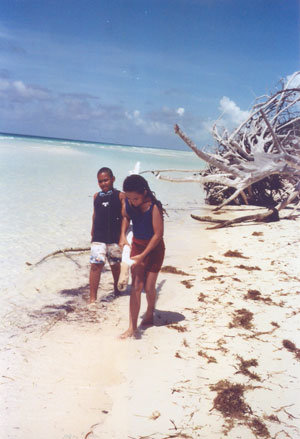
(158, 228)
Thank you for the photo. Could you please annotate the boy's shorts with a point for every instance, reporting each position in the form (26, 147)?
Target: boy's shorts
(100, 252)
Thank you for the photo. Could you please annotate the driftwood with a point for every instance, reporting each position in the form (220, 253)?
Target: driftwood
(59, 252)
(259, 162)
(268, 216)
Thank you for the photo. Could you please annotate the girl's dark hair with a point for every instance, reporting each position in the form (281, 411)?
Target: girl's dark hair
(137, 183)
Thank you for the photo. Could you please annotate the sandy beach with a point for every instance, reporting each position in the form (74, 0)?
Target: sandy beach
(222, 359)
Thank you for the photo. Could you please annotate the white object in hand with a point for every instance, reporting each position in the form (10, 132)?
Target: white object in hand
(126, 255)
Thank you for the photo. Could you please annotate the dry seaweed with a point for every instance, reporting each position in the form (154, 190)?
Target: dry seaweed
(212, 277)
(258, 428)
(187, 283)
(230, 400)
(235, 254)
(256, 295)
(214, 261)
(231, 403)
(253, 295)
(201, 297)
(173, 270)
(211, 269)
(245, 267)
(207, 357)
(291, 347)
(242, 317)
(273, 418)
(178, 328)
(244, 368)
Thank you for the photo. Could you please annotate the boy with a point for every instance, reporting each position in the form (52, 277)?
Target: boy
(106, 229)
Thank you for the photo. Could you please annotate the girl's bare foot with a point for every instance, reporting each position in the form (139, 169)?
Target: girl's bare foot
(148, 319)
(129, 333)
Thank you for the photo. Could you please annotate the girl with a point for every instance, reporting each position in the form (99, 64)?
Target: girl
(147, 248)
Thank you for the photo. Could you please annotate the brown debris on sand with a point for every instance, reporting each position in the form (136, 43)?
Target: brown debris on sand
(244, 368)
(235, 254)
(231, 403)
(230, 399)
(243, 318)
(211, 269)
(291, 347)
(178, 328)
(256, 295)
(187, 283)
(248, 268)
(209, 358)
(173, 270)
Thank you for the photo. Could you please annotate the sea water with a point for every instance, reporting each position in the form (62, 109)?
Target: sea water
(46, 194)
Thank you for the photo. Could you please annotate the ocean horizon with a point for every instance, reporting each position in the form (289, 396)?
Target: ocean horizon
(96, 142)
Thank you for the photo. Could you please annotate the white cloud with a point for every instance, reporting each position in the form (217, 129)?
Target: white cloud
(180, 111)
(232, 115)
(293, 81)
(148, 126)
(19, 90)
(28, 91)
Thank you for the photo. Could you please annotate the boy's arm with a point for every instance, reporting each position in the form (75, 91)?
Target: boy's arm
(93, 218)
(124, 227)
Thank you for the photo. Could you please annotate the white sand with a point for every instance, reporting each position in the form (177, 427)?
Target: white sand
(68, 376)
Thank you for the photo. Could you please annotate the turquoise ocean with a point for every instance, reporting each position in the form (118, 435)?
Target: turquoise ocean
(46, 194)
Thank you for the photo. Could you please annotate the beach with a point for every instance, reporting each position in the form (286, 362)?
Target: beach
(221, 360)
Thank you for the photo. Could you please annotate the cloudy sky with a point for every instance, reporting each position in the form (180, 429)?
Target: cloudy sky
(124, 71)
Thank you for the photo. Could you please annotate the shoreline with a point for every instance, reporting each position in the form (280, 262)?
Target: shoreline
(226, 327)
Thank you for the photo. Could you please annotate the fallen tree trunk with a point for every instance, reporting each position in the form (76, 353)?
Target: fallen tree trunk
(270, 215)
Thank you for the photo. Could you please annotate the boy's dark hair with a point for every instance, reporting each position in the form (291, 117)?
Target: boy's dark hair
(137, 183)
(106, 170)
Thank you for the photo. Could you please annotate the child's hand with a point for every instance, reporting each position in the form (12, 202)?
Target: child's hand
(123, 242)
(138, 259)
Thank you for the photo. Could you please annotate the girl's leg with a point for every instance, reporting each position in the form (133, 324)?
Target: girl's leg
(138, 273)
(95, 274)
(151, 297)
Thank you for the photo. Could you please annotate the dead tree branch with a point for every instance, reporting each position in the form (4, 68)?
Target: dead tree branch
(259, 162)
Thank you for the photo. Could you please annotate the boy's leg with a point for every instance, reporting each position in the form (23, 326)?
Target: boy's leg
(150, 288)
(95, 275)
(114, 255)
(115, 269)
(97, 260)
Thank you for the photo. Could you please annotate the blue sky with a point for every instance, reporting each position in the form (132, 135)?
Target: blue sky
(124, 71)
